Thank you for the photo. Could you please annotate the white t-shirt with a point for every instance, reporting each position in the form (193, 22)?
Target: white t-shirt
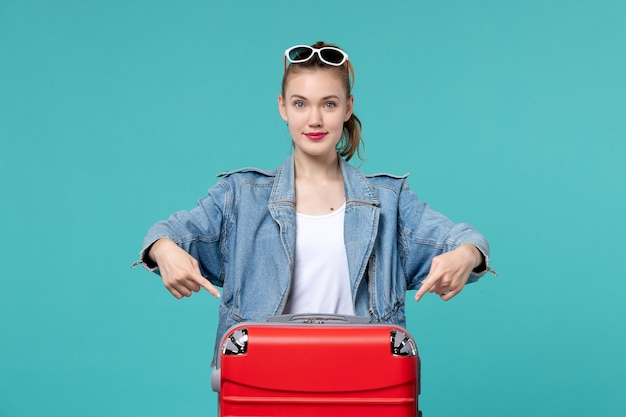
(321, 282)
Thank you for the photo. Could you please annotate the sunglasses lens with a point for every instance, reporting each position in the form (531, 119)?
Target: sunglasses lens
(332, 55)
(300, 53)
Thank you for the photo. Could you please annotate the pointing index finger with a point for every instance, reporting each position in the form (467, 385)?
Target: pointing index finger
(204, 283)
(426, 285)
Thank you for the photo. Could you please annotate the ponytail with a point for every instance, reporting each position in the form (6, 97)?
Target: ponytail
(351, 141)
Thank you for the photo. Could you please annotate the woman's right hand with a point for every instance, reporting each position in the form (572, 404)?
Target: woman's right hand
(179, 270)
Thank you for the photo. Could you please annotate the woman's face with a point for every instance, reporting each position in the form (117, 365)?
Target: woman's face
(315, 106)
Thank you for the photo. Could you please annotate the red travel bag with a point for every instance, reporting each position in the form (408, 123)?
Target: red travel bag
(317, 365)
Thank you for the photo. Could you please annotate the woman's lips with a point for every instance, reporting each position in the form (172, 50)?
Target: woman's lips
(315, 135)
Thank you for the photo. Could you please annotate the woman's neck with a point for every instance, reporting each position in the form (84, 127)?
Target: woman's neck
(317, 168)
(318, 184)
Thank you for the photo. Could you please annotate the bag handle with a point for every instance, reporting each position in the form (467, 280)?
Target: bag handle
(311, 318)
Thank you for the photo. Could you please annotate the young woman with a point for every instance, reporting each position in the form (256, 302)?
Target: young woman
(315, 235)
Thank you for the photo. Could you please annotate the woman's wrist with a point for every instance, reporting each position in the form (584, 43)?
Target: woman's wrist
(479, 262)
(154, 249)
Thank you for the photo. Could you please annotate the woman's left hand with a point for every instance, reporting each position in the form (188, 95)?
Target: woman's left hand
(450, 271)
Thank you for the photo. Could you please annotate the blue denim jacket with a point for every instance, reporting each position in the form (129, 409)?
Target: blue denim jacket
(243, 235)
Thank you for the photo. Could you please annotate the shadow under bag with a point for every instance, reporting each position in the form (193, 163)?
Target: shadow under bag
(317, 365)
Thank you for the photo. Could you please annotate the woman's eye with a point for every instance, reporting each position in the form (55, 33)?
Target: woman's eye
(298, 104)
(330, 105)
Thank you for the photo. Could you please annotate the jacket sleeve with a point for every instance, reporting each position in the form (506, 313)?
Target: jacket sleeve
(425, 233)
(198, 231)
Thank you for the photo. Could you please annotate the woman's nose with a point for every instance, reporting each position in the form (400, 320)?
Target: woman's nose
(315, 118)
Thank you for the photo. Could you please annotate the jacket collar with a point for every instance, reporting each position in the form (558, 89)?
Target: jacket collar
(358, 189)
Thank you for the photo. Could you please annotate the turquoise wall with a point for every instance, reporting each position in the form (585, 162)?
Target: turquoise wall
(508, 115)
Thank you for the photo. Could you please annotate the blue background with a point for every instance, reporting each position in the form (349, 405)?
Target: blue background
(508, 115)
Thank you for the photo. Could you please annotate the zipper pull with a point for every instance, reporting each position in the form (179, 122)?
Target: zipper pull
(371, 311)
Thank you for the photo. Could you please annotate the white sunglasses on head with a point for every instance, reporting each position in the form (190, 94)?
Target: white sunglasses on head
(328, 55)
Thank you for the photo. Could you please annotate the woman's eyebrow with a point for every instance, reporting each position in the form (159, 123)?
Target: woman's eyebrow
(298, 96)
